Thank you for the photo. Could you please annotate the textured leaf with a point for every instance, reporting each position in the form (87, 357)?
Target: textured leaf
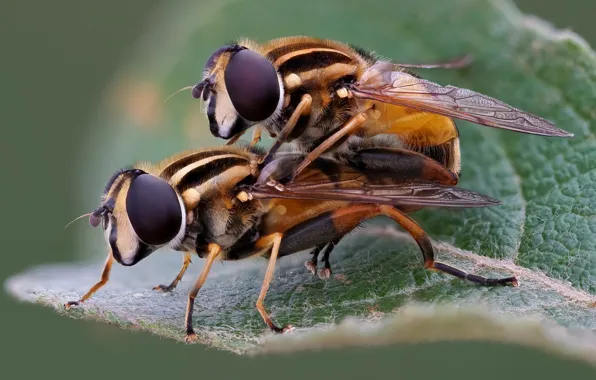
(544, 231)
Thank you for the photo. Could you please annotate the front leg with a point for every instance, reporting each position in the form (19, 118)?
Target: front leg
(174, 283)
(105, 276)
(256, 136)
(303, 108)
(348, 128)
(235, 138)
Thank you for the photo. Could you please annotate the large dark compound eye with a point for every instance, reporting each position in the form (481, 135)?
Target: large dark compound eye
(252, 85)
(153, 210)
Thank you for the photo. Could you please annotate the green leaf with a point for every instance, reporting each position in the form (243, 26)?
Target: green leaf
(544, 232)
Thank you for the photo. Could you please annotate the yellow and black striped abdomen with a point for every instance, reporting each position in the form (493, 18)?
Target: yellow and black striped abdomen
(436, 136)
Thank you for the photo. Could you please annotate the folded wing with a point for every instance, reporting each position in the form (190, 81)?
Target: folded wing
(418, 193)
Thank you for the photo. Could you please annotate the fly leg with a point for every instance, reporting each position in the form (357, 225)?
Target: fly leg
(326, 271)
(173, 284)
(274, 241)
(214, 252)
(303, 108)
(311, 264)
(235, 138)
(425, 245)
(105, 276)
(256, 136)
(348, 128)
(324, 232)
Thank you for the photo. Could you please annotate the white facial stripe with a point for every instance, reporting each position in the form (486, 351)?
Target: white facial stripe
(127, 254)
(180, 235)
(225, 114)
(107, 232)
(225, 126)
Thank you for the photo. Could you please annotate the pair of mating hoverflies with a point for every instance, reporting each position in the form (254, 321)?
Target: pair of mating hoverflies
(369, 138)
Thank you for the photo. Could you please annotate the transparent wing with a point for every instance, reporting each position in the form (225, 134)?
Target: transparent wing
(384, 82)
(421, 193)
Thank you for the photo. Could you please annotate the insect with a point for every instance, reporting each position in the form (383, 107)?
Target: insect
(319, 94)
(221, 204)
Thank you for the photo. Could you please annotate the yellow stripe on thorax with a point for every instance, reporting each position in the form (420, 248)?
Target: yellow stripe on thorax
(177, 177)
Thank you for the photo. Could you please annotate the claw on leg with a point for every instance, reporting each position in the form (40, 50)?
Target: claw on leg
(311, 267)
(325, 273)
(164, 288)
(256, 136)
(71, 303)
(191, 337)
(311, 264)
(105, 276)
(172, 286)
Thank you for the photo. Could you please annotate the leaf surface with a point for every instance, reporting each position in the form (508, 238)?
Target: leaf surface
(544, 232)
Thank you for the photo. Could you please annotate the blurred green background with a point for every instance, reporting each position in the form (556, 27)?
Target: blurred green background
(57, 57)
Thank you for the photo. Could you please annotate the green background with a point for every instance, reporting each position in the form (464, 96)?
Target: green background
(56, 59)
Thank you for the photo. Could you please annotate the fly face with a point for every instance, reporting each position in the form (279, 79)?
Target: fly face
(240, 88)
(141, 213)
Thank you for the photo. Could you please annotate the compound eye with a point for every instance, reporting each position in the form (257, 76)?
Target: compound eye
(153, 210)
(253, 85)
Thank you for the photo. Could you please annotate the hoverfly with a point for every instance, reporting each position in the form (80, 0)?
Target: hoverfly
(318, 93)
(220, 204)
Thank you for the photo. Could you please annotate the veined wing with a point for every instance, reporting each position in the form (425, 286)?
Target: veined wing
(419, 193)
(384, 82)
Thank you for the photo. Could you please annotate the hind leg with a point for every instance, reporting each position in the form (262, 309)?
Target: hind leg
(326, 271)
